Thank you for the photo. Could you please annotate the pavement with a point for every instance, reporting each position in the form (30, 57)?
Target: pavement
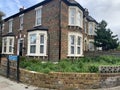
(7, 84)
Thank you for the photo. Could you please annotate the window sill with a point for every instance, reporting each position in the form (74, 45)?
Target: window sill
(37, 25)
(20, 29)
(74, 26)
(36, 55)
(6, 53)
(75, 55)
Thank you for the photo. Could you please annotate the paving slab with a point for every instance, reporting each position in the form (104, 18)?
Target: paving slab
(7, 84)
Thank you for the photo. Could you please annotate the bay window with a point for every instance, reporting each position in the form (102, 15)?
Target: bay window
(75, 17)
(37, 43)
(8, 45)
(75, 44)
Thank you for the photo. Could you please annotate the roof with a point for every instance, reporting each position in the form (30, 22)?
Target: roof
(89, 18)
(38, 28)
(68, 2)
(28, 9)
(73, 3)
(9, 34)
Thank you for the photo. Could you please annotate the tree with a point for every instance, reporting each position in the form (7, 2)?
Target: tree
(104, 37)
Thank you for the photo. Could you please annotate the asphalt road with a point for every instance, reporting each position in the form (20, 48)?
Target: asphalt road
(7, 84)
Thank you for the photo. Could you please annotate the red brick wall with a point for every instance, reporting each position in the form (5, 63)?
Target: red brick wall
(50, 19)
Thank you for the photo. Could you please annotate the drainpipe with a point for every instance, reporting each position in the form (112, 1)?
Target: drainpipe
(48, 45)
(59, 30)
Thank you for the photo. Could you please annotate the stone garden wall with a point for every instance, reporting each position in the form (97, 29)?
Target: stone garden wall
(65, 81)
(70, 80)
(99, 53)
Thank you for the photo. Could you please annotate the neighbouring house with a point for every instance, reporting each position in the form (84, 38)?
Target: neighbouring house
(50, 30)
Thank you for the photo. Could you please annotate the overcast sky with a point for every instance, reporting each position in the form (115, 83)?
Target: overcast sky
(108, 10)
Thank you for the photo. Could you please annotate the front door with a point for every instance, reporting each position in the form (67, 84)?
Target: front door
(20, 47)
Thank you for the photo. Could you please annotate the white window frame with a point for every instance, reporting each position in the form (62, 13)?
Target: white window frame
(76, 35)
(85, 26)
(76, 17)
(21, 20)
(38, 16)
(38, 33)
(10, 25)
(91, 41)
(70, 16)
(91, 28)
(33, 44)
(8, 45)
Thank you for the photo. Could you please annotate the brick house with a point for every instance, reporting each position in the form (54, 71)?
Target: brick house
(50, 30)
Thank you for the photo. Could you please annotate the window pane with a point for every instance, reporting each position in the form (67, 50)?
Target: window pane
(79, 18)
(41, 39)
(41, 48)
(72, 49)
(33, 39)
(38, 16)
(90, 29)
(72, 20)
(21, 22)
(10, 48)
(5, 43)
(10, 26)
(79, 40)
(72, 11)
(33, 49)
(72, 15)
(72, 38)
(10, 42)
(4, 48)
(38, 21)
(78, 50)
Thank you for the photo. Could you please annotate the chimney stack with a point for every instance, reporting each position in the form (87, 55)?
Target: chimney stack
(21, 9)
(86, 12)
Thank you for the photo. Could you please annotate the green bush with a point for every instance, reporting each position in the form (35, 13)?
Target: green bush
(46, 70)
(93, 69)
(86, 64)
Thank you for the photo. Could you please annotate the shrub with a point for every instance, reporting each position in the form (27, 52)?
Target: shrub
(93, 69)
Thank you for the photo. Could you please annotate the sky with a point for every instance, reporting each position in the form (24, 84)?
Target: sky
(108, 10)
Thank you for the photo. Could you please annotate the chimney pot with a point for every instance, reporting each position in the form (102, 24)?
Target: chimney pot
(21, 9)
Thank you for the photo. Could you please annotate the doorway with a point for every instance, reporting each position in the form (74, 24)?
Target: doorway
(20, 47)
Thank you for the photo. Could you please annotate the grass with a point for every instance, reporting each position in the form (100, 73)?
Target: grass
(84, 65)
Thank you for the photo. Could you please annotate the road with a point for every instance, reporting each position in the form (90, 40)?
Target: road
(7, 84)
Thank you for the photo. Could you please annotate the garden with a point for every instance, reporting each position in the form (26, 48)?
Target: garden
(82, 65)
